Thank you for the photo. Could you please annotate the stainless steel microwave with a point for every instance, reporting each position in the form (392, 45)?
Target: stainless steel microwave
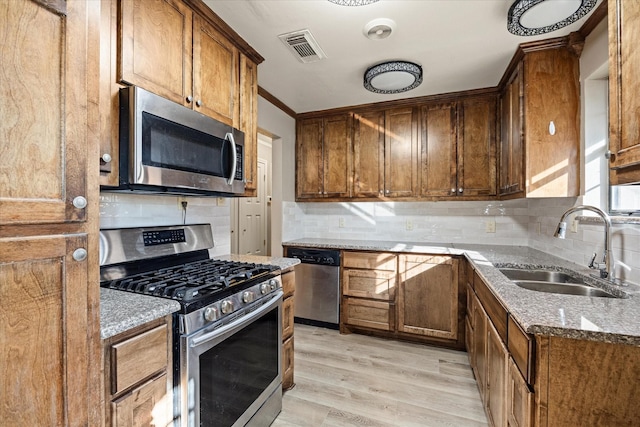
(166, 147)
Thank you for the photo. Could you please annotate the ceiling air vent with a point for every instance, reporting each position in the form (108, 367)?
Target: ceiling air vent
(303, 46)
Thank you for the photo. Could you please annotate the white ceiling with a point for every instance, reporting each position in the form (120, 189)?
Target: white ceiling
(460, 44)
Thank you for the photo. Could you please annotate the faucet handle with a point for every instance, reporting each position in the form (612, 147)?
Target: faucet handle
(592, 264)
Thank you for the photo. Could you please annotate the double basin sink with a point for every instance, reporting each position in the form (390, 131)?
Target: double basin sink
(552, 281)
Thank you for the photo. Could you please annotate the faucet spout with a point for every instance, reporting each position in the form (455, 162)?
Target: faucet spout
(608, 271)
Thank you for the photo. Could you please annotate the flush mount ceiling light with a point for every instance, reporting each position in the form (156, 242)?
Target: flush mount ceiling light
(393, 77)
(534, 17)
(353, 2)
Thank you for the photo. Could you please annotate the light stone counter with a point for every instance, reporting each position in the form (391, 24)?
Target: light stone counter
(615, 320)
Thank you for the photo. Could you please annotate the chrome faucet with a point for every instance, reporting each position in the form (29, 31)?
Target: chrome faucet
(606, 268)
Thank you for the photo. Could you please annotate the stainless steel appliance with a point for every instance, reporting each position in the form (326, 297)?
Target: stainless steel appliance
(317, 286)
(166, 147)
(227, 334)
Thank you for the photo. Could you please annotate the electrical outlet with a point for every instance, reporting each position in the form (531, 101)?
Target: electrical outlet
(490, 226)
(341, 222)
(538, 232)
(181, 199)
(574, 226)
(409, 225)
(221, 201)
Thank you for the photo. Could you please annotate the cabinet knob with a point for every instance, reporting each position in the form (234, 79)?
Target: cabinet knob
(80, 254)
(79, 202)
(198, 103)
(106, 157)
(189, 99)
(453, 190)
(608, 154)
(460, 190)
(387, 191)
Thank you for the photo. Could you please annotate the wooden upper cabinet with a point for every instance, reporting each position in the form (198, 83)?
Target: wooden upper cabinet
(511, 153)
(401, 153)
(476, 145)
(44, 142)
(156, 47)
(624, 86)
(249, 121)
(324, 157)
(540, 116)
(368, 155)
(309, 163)
(428, 296)
(438, 162)
(215, 74)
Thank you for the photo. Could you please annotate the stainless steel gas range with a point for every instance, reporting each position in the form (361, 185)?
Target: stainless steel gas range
(227, 334)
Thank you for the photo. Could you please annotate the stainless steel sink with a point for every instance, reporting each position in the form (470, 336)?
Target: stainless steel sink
(552, 281)
(539, 275)
(563, 288)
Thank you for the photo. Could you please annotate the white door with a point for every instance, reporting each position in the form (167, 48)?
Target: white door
(252, 218)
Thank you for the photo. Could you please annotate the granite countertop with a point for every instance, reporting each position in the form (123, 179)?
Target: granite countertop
(598, 319)
(121, 311)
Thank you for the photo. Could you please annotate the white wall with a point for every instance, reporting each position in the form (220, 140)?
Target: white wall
(276, 122)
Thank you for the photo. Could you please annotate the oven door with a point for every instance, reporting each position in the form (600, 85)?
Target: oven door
(231, 374)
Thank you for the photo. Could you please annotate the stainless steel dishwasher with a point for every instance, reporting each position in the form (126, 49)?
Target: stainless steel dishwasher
(317, 297)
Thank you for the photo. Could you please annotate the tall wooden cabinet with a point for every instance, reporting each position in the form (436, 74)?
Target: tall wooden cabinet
(368, 155)
(49, 292)
(401, 153)
(540, 115)
(323, 157)
(624, 84)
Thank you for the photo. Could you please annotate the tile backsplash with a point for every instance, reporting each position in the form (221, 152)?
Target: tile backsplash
(525, 222)
(119, 210)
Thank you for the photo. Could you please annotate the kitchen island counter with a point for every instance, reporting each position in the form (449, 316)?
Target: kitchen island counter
(612, 320)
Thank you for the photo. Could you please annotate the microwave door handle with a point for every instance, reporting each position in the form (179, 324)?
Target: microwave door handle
(229, 137)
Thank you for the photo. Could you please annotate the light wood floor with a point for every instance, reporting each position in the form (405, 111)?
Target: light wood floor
(355, 380)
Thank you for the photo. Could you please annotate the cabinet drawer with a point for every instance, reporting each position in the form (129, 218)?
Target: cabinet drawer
(521, 347)
(136, 407)
(287, 318)
(375, 284)
(150, 347)
(288, 283)
(496, 312)
(369, 260)
(369, 314)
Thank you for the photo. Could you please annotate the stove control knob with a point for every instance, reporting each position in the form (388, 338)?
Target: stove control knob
(226, 307)
(264, 288)
(248, 297)
(210, 314)
(273, 284)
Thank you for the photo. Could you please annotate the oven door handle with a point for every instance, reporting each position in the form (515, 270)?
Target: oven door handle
(240, 323)
(234, 165)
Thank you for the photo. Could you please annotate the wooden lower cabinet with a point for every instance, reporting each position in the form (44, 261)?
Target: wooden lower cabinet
(138, 376)
(428, 296)
(478, 347)
(407, 296)
(496, 387)
(519, 399)
(288, 287)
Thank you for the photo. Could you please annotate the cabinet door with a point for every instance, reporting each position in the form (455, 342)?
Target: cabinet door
(519, 399)
(368, 149)
(249, 122)
(45, 333)
(497, 359)
(156, 47)
(287, 364)
(624, 82)
(142, 408)
(401, 153)
(479, 346)
(337, 156)
(287, 318)
(309, 163)
(438, 150)
(428, 296)
(511, 139)
(215, 74)
(477, 147)
(43, 106)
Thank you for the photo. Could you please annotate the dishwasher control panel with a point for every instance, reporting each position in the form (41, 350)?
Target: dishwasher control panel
(315, 256)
